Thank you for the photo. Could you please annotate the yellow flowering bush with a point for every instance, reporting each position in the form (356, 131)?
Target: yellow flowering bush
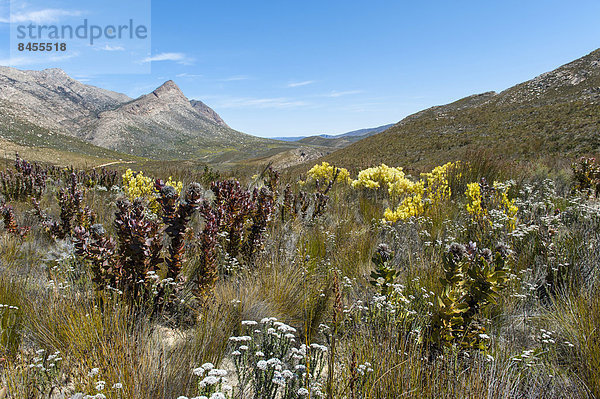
(324, 173)
(136, 185)
(411, 205)
(505, 204)
(438, 187)
(482, 202)
(378, 177)
(426, 194)
(473, 194)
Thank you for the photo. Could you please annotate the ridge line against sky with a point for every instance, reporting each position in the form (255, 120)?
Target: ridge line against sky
(277, 69)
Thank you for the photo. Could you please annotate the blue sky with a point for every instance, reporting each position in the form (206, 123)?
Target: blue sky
(283, 68)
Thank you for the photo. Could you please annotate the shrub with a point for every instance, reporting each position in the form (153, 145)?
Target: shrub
(136, 185)
(269, 364)
(380, 177)
(10, 221)
(176, 217)
(27, 180)
(586, 173)
(473, 279)
(491, 206)
(325, 175)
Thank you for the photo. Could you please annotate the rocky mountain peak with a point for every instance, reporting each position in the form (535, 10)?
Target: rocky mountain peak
(170, 92)
(207, 112)
(55, 72)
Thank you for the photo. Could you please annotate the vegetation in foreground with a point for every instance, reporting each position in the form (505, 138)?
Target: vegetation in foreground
(473, 280)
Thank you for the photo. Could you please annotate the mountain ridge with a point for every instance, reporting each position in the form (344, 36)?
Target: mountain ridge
(163, 124)
(555, 113)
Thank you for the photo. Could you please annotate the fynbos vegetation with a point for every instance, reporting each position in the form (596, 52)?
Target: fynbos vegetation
(471, 280)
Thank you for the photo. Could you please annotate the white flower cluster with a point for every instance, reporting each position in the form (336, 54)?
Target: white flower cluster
(213, 383)
(268, 361)
(43, 362)
(364, 369)
(215, 395)
(100, 385)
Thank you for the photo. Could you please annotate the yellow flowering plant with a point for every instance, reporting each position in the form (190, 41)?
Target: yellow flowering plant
(411, 205)
(136, 185)
(325, 174)
(473, 194)
(381, 176)
(437, 182)
(422, 196)
(483, 200)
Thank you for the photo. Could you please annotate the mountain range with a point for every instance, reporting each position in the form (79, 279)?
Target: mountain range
(554, 114)
(355, 133)
(46, 107)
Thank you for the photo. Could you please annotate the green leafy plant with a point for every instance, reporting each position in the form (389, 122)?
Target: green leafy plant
(10, 221)
(384, 275)
(586, 173)
(473, 279)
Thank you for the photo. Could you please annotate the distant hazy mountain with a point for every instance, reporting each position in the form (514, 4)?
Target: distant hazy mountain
(337, 140)
(362, 132)
(163, 124)
(556, 113)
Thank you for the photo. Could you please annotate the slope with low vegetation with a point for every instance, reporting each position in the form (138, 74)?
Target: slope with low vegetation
(555, 114)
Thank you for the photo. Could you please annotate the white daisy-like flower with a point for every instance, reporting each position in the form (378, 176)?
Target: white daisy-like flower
(287, 374)
(218, 372)
(210, 380)
(208, 366)
(262, 365)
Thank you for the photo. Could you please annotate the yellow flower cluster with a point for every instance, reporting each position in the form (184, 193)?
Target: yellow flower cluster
(473, 194)
(499, 200)
(378, 177)
(438, 186)
(412, 205)
(392, 179)
(507, 205)
(429, 192)
(136, 185)
(325, 173)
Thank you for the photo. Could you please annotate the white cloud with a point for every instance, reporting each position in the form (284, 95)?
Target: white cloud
(235, 78)
(262, 103)
(334, 93)
(188, 75)
(15, 61)
(177, 57)
(108, 47)
(57, 58)
(298, 84)
(22, 61)
(40, 16)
